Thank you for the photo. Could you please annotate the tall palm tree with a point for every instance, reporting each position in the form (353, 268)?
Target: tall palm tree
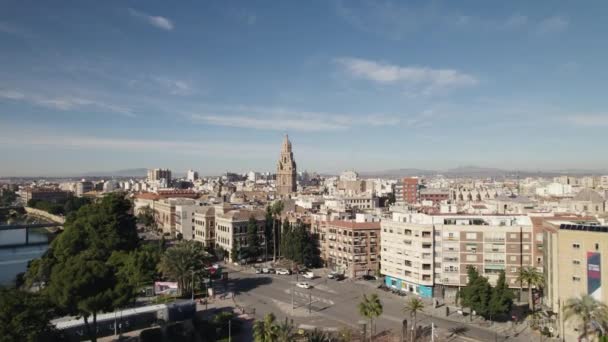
(266, 330)
(533, 278)
(370, 308)
(588, 313)
(181, 261)
(285, 331)
(413, 306)
(277, 209)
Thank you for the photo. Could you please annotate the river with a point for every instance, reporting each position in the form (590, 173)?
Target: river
(14, 260)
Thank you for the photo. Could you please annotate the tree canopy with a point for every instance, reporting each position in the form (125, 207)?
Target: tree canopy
(25, 316)
(183, 261)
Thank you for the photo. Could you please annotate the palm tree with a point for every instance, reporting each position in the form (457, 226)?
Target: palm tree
(370, 308)
(266, 330)
(181, 261)
(317, 336)
(285, 331)
(413, 306)
(533, 278)
(277, 209)
(588, 312)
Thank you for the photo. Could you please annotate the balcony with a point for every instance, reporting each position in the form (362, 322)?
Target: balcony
(493, 261)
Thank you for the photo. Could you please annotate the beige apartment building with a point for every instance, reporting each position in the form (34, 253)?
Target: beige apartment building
(574, 254)
(204, 226)
(231, 228)
(350, 247)
(429, 254)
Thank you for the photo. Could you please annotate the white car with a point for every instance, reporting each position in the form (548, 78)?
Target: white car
(309, 275)
(303, 285)
(283, 271)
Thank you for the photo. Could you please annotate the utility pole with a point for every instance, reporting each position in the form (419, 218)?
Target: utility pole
(432, 331)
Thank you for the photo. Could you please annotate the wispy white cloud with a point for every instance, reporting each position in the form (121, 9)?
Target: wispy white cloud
(281, 119)
(553, 24)
(40, 137)
(428, 78)
(175, 86)
(157, 21)
(515, 21)
(64, 103)
(588, 120)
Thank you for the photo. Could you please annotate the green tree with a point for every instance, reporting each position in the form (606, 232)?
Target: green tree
(391, 199)
(146, 217)
(82, 280)
(253, 239)
(25, 316)
(501, 299)
(370, 308)
(138, 267)
(265, 330)
(533, 278)
(587, 313)
(277, 209)
(476, 295)
(182, 262)
(268, 232)
(7, 197)
(317, 335)
(413, 306)
(285, 331)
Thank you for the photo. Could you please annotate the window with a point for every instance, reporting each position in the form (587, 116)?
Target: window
(526, 236)
(575, 278)
(576, 246)
(513, 236)
(471, 236)
(471, 257)
(576, 262)
(597, 246)
(526, 247)
(513, 269)
(526, 258)
(513, 258)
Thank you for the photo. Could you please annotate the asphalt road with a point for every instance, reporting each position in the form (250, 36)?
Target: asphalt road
(333, 304)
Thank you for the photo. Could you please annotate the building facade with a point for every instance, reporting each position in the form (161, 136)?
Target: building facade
(351, 248)
(204, 226)
(407, 190)
(231, 229)
(157, 175)
(429, 254)
(286, 182)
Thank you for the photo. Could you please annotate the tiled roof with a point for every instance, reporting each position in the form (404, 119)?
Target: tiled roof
(353, 225)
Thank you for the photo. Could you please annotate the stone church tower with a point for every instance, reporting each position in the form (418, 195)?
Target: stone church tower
(286, 170)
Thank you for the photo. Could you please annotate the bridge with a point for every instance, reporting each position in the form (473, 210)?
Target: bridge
(27, 227)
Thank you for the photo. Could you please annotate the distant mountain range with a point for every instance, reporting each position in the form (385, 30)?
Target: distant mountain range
(461, 171)
(480, 172)
(140, 172)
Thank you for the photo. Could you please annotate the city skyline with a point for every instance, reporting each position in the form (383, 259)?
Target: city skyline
(356, 85)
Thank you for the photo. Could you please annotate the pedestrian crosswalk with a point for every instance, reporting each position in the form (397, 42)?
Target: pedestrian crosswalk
(311, 297)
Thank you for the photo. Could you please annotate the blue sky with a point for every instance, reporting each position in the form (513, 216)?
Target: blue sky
(366, 85)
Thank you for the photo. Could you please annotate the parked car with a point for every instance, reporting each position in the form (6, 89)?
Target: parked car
(283, 271)
(303, 285)
(369, 277)
(271, 271)
(303, 271)
(309, 275)
(332, 275)
(258, 270)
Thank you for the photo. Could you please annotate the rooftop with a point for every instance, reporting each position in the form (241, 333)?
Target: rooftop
(353, 225)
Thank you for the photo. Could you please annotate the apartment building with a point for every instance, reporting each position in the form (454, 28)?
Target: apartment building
(204, 226)
(43, 194)
(231, 228)
(350, 247)
(429, 254)
(434, 195)
(574, 254)
(407, 190)
(164, 213)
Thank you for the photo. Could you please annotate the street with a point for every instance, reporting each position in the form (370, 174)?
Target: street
(332, 305)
